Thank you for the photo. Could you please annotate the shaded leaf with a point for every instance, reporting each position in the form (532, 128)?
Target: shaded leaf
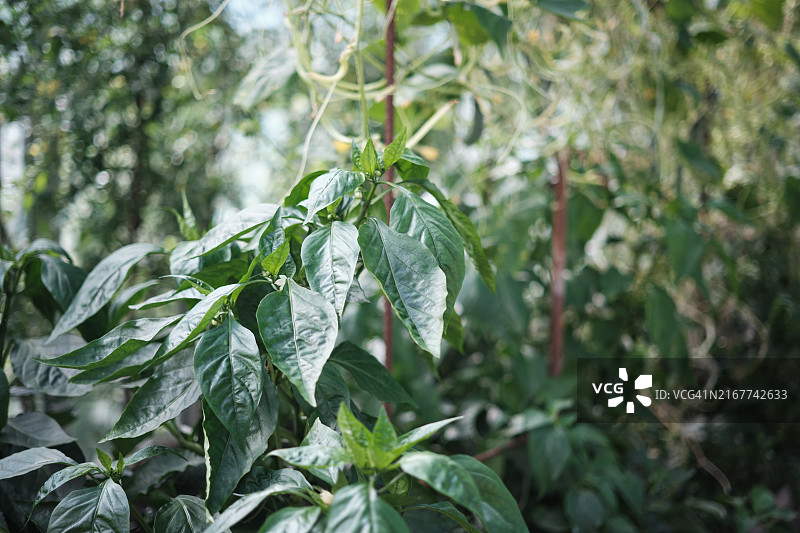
(231, 229)
(100, 285)
(63, 476)
(292, 520)
(300, 191)
(31, 430)
(369, 374)
(419, 514)
(171, 389)
(229, 368)
(39, 376)
(173, 296)
(548, 451)
(445, 476)
(476, 25)
(183, 514)
(120, 305)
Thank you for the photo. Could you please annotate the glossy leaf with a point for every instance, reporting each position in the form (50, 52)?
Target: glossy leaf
(410, 278)
(115, 345)
(312, 456)
(322, 435)
(63, 476)
(499, 510)
(29, 460)
(183, 514)
(130, 366)
(195, 321)
(229, 368)
(168, 297)
(465, 228)
(413, 216)
(225, 461)
(298, 327)
(284, 482)
(445, 476)
(369, 374)
(39, 376)
(410, 166)
(329, 187)
(147, 453)
(330, 255)
(120, 305)
(100, 285)
(30, 430)
(231, 229)
(61, 279)
(300, 191)
(358, 508)
(415, 436)
(292, 520)
(170, 390)
(103, 508)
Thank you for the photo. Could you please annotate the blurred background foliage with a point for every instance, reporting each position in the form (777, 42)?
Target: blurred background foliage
(679, 120)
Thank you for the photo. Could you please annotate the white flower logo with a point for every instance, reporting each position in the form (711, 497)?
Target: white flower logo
(645, 381)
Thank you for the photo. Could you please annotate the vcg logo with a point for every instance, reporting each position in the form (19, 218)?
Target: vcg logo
(645, 381)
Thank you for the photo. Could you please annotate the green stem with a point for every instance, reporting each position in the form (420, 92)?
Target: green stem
(139, 518)
(391, 482)
(183, 441)
(367, 201)
(12, 289)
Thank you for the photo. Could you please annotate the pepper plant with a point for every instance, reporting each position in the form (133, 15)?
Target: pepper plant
(265, 291)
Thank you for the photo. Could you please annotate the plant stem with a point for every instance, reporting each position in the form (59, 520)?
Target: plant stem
(391, 482)
(12, 289)
(388, 200)
(183, 441)
(140, 519)
(366, 202)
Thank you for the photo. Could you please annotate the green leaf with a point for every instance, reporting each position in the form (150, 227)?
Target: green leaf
(104, 459)
(410, 166)
(300, 191)
(413, 216)
(357, 439)
(284, 482)
(445, 508)
(40, 377)
(226, 463)
(229, 368)
(499, 510)
(100, 285)
(195, 321)
(548, 451)
(183, 514)
(418, 435)
(292, 520)
(29, 460)
(684, 250)
(231, 229)
(120, 305)
(299, 328)
(329, 187)
(322, 435)
(30, 430)
(273, 262)
(476, 24)
(168, 297)
(692, 152)
(465, 228)
(130, 366)
(159, 469)
(62, 280)
(188, 222)
(146, 453)
(369, 159)
(585, 510)
(330, 393)
(662, 323)
(330, 255)
(313, 456)
(355, 155)
(171, 389)
(103, 508)
(5, 397)
(115, 345)
(62, 476)
(410, 278)
(445, 476)
(393, 152)
(454, 332)
(358, 508)
(371, 376)
(564, 8)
